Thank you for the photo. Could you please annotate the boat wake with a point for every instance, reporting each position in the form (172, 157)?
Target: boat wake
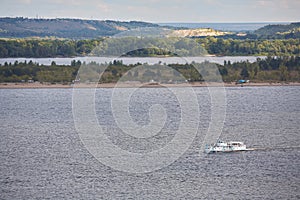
(240, 146)
(273, 148)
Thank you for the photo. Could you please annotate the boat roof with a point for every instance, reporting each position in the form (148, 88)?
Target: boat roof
(231, 142)
(220, 141)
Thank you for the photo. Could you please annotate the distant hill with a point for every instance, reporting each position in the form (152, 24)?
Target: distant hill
(279, 31)
(65, 28)
(199, 32)
(87, 29)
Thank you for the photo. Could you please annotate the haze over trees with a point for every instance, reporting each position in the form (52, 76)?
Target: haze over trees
(65, 28)
(89, 29)
(279, 31)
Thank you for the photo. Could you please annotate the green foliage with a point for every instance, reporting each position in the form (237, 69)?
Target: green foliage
(275, 69)
(283, 73)
(148, 52)
(244, 73)
(234, 47)
(19, 72)
(279, 31)
(148, 46)
(65, 28)
(269, 69)
(132, 46)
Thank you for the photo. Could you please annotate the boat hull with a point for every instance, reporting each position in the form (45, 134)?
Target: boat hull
(226, 151)
(225, 147)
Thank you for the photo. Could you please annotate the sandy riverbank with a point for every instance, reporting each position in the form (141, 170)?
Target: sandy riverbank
(129, 85)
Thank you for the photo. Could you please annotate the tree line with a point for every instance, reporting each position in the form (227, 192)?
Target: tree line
(43, 48)
(130, 46)
(270, 69)
(236, 47)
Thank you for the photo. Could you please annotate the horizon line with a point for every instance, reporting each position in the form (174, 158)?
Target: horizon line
(161, 22)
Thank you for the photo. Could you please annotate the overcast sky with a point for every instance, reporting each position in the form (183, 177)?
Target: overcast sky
(158, 10)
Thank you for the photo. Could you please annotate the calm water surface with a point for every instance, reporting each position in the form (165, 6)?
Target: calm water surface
(133, 60)
(42, 156)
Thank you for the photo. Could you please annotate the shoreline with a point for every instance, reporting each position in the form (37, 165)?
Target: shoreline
(137, 85)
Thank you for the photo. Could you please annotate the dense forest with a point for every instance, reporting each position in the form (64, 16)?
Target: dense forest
(46, 47)
(271, 69)
(65, 28)
(120, 46)
(38, 38)
(21, 27)
(235, 47)
(76, 37)
(279, 31)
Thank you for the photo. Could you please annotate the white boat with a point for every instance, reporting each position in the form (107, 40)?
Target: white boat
(225, 147)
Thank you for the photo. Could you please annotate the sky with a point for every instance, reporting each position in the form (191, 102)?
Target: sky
(157, 10)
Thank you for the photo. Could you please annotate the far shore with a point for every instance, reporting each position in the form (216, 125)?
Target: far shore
(137, 85)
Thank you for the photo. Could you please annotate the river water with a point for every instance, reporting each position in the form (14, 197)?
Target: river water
(133, 60)
(43, 157)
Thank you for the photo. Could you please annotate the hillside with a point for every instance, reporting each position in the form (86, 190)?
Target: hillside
(199, 32)
(279, 31)
(65, 28)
